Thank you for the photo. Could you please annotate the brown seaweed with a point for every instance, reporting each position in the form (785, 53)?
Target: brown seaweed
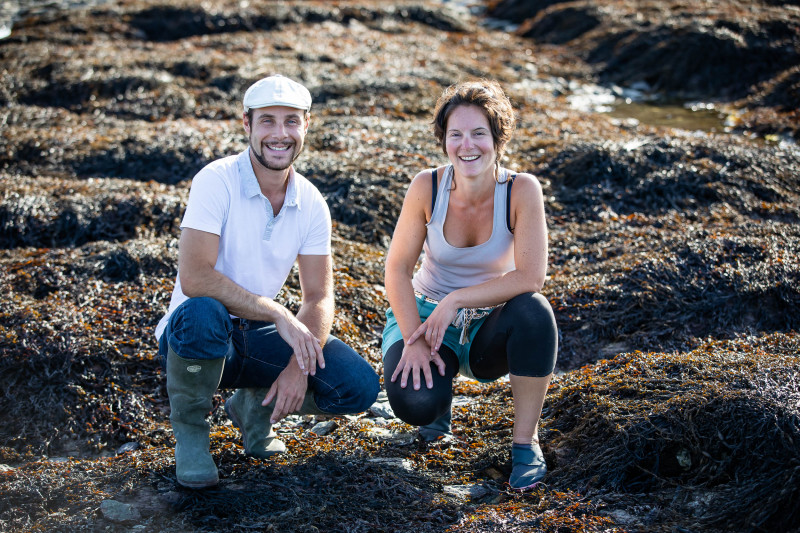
(673, 272)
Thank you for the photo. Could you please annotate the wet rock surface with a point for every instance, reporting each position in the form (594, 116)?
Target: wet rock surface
(674, 267)
(743, 53)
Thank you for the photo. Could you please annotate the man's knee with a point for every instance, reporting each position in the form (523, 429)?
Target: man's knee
(199, 329)
(203, 306)
(367, 392)
(349, 384)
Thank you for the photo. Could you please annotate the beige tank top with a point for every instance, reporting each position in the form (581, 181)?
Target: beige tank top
(446, 268)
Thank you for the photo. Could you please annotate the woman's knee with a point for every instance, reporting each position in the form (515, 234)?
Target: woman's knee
(533, 350)
(532, 314)
(532, 305)
(417, 407)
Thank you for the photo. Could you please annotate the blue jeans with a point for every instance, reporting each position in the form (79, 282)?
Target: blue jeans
(255, 354)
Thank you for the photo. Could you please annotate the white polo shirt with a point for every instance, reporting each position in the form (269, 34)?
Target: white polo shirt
(256, 249)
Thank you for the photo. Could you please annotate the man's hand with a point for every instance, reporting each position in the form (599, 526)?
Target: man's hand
(288, 392)
(418, 357)
(306, 347)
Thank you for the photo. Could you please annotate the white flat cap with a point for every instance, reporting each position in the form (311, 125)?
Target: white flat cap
(277, 90)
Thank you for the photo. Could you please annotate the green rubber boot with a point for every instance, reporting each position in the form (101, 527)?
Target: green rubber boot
(309, 406)
(191, 384)
(246, 412)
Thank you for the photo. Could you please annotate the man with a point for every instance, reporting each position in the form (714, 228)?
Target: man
(248, 219)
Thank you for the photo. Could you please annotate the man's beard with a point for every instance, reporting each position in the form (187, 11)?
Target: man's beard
(273, 166)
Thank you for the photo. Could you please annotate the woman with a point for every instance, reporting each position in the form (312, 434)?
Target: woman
(474, 305)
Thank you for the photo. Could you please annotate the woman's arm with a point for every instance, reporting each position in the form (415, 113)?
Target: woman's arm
(409, 235)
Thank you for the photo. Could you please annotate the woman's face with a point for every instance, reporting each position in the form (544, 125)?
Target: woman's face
(469, 142)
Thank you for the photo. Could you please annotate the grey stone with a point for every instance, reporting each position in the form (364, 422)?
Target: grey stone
(127, 447)
(466, 491)
(119, 512)
(324, 428)
(382, 409)
(398, 462)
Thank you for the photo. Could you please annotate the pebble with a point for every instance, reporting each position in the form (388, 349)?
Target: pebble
(119, 512)
(382, 409)
(324, 428)
(466, 491)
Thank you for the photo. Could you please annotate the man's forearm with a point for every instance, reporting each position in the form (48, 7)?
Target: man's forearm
(317, 315)
(237, 300)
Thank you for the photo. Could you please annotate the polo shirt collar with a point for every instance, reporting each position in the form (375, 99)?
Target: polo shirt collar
(250, 184)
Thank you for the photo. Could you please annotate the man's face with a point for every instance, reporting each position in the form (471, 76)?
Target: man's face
(276, 135)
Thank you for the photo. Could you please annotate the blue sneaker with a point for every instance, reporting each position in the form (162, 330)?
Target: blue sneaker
(438, 429)
(527, 466)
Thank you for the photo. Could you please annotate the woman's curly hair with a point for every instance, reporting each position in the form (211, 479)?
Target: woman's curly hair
(489, 97)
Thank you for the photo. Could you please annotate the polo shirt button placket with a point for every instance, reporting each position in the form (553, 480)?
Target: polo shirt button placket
(271, 218)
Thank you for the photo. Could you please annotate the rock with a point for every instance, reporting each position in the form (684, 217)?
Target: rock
(382, 409)
(119, 512)
(622, 517)
(399, 438)
(613, 349)
(127, 447)
(324, 428)
(466, 491)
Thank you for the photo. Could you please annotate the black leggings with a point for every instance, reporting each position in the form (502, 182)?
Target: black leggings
(520, 337)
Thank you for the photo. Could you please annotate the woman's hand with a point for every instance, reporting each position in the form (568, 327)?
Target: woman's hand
(435, 326)
(417, 356)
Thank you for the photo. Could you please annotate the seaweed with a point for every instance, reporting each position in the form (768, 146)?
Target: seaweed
(709, 421)
(673, 274)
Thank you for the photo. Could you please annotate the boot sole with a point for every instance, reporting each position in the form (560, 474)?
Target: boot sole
(198, 485)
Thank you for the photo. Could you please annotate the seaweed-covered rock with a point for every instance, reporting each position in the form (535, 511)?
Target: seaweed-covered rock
(683, 246)
(695, 50)
(712, 420)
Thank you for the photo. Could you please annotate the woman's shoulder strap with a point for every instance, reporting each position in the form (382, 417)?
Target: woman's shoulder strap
(509, 182)
(435, 186)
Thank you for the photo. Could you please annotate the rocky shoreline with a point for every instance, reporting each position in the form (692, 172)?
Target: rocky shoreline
(674, 267)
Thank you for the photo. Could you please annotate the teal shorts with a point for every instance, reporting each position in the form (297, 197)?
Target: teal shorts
(392, 334)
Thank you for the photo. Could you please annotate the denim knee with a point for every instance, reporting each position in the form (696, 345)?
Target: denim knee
(200, 328)
(367, 393)
(348, 384)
